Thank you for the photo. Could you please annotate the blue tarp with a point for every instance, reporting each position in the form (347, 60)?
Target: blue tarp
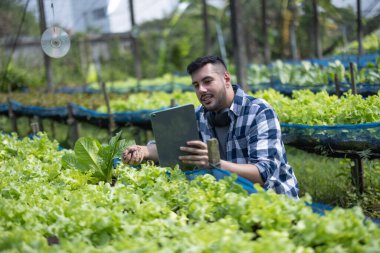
(169, 87)
(80, 113)
(216, 172)
(221, 174)
(3, 108)
(364, 89)
(337, 126)
(350, 140)
(43, 112)
(360, 60)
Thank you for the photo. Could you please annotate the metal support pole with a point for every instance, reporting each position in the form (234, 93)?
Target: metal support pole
(360, 27)
(73, 124)
(37, 120)
(353, 82)
(35, 127)
(358, 174)
(47, 61)
(337, 85)
(52, 127)
(12, 116)
(111, 122)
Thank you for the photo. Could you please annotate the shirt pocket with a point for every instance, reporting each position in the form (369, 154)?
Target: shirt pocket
(240, 145)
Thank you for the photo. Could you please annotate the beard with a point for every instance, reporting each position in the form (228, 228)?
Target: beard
(218, 100)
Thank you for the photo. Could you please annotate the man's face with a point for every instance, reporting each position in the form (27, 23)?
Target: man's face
(210, 83)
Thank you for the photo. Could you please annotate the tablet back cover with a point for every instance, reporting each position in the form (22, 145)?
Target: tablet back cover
(172, 128)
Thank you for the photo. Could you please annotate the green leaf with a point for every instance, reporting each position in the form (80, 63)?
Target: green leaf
(110, 152)
(69, 160)
(86, 150)
(95, 159)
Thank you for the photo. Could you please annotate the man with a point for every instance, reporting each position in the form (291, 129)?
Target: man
(247, 129)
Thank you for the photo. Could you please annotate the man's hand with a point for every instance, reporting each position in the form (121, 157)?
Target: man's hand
(134, 154)
(198, 154)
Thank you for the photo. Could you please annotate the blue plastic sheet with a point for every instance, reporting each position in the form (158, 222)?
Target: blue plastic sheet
(354, 138)
(220, 174)
(100, 119)
(43, 112)
(319, 208)
(29, 110)
(341, 140)
(169, 87)
(360, 60)
(364, 89)
(3, 108)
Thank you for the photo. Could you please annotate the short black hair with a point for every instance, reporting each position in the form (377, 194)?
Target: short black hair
(201, 61)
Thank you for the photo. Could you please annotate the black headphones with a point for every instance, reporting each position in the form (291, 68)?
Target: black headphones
(219, 119)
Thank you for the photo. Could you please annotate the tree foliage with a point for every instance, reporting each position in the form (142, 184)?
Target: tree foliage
(169, 44)
(11, 12)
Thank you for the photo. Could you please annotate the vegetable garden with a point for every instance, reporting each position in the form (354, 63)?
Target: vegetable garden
(52, 206)
(64, 189)
(64, 194)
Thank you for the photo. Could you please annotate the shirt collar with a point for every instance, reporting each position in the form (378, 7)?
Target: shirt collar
(238, 101)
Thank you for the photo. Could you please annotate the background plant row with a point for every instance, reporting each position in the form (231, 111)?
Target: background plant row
(304, 107)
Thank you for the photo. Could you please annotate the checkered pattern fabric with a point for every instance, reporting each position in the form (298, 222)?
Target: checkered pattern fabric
(254, 137)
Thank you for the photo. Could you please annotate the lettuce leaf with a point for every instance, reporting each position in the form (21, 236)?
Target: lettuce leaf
(93, 158)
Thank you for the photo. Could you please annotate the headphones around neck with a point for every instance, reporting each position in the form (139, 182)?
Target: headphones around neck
(219, 119)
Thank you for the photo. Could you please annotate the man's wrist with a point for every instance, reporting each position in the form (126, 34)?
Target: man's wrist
(147, 151)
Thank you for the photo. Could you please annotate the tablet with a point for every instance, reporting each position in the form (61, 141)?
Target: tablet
(172, 128)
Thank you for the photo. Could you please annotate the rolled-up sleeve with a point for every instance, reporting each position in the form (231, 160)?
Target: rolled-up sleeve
(267, 152)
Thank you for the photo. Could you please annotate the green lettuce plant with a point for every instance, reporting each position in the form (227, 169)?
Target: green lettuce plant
(93, 158)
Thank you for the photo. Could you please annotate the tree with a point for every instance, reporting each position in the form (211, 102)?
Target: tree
(206, 29)
(265, 32)
(13, 30)
(238, 44)
(360, 26)
(47, 61)
(316, 33)
(11, 12)
(134, 42)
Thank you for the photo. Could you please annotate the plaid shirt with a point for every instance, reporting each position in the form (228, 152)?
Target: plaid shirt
(254, 137)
